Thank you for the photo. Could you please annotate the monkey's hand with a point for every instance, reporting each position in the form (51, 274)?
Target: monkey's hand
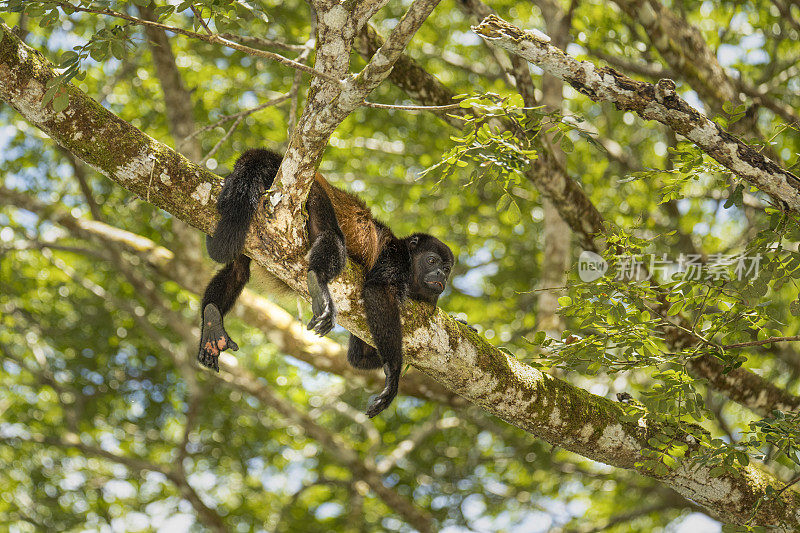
(384, 399)
(213, 338)
(322, 305)
(381, 401)
(465, 323)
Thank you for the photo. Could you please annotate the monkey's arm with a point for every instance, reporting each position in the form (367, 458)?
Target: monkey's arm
(385, 287)
(327, 258)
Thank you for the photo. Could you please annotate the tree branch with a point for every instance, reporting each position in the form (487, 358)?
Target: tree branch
(653, 102)
(213, 38)
(381, 63)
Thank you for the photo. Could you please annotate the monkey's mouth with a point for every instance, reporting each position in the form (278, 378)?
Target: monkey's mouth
(436, 284)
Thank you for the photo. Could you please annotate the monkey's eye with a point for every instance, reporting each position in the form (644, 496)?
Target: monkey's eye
(431, 260)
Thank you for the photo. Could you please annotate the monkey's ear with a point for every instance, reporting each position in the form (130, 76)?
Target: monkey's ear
(413, 242)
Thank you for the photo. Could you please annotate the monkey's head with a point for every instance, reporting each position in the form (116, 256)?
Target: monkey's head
(431, 262)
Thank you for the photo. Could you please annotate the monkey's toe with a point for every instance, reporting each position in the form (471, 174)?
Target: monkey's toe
(322, 324)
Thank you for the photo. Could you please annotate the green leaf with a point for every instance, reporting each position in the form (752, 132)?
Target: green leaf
(67, 58)
(503, 202)
(117, 49)
(717, 471)
(564, 301)
(675, 308)
(742, 458)
(513, 213)
(50, 93)
(98, 53)
(60, 102)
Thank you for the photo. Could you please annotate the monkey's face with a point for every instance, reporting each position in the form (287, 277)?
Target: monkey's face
(431, 271)
(431, 261)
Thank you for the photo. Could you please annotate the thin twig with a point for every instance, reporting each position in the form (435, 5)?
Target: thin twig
(702, 308)
(262, 42)
(792, 482)
(295, 92)
(214, 39)
(411, 107)
(199, 17)
(765, 341)
(221, 141)
(246, 112)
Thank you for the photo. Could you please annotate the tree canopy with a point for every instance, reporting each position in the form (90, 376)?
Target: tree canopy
(619, 181)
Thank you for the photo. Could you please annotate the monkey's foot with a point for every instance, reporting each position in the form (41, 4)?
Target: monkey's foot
(322, 305)
(213, 338)
(380, 402)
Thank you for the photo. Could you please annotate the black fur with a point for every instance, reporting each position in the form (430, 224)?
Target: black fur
(386, 285)
(252, 174)
(414, 267)
(327, 258)
(238, 201)
(225, 287)
(361, 355)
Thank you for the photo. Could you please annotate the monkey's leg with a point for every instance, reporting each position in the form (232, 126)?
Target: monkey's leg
(221, 293)
(361, 355)
(326, 260)
(383, 318)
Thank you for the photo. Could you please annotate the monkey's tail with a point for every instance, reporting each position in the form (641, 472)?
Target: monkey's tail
(252, 174)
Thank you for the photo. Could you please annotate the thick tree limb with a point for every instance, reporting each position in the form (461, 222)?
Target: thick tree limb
(653, 102)
(457, 357)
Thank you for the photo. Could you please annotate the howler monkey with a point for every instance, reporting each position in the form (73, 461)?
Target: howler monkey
(339, 226)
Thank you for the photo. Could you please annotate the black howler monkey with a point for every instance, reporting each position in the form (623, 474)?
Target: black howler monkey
(339, 226)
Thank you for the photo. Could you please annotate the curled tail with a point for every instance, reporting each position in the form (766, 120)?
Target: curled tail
(237, 203)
